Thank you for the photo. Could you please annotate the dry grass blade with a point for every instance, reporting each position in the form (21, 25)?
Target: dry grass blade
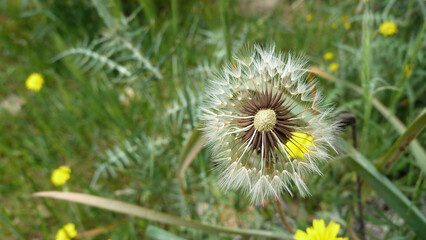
(145, 213)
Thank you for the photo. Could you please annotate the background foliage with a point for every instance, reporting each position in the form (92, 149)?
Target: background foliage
(123, 86)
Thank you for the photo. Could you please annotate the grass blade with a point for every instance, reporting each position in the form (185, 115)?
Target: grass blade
(385, 189)
(415, 147)
(160, 234)
(404, 140)
(145, 213)
(5, 220)
(192, 147)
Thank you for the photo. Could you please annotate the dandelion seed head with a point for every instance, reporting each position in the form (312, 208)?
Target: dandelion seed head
(270, 128)
(264, 120)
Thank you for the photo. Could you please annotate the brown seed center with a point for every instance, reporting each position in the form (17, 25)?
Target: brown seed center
(265, 120)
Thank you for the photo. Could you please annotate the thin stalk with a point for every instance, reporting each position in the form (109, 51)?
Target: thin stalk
(358, 185)
(278, 206)
(359, 205)
(116, 8)
(366, 77)
(181, 64)
(348, 119)
(225, 26)
(407, 69)
(151, 13)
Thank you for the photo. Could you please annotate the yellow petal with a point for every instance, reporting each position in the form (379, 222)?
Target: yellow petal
(332, 230)
(300, 235)
(298, 145)
(319, 225)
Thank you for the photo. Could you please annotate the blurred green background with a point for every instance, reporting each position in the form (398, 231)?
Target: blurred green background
(123, 83)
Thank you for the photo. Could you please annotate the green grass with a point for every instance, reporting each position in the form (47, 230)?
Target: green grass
(124, 82)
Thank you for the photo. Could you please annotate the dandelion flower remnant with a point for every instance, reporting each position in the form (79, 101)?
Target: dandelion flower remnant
(388, 28)
(60, 175)
(319, 231)
(266, 123)
(34, 82)
(67, 232)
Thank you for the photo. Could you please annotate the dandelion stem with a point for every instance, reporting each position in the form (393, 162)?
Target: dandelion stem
(278, 206)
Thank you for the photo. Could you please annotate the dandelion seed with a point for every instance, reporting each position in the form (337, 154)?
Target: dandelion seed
(319, 231)
(67, 232)
(60, 175)
(334, 66)
(34, 82)
(328, 56)
(266, 124)
(309, 17)
(388, 28)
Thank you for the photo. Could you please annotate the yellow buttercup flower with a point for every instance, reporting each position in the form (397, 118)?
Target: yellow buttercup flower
(388, 28)
(334, 66)
(67, 232)
(34, 82)
(319, 231)
(347, 25)
(60, 175)
(328, 56)
(335, 25)
(298, 145)
(344, 18)
(309, 17)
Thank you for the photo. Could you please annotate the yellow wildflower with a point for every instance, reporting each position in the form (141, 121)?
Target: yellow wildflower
(344, 18)
(408, 69)
(60, 175)
(34, 82)
(328, 56)
(335, 25)
(67, 232)
(388, 28)
(334, 66)
(309, 17)
(347, 25)
(319, 232)
(296, 147)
